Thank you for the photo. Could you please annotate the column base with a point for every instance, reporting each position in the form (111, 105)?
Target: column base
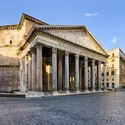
(67, 92)
(94, 90)
(105, 90)
(78, 91)
(87, 91)
(34, 94)
(55, 93)
(100, 90)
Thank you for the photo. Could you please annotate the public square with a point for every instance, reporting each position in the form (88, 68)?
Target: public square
(89, 109)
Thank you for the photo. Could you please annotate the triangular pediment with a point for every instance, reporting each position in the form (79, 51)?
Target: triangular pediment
(78, 36)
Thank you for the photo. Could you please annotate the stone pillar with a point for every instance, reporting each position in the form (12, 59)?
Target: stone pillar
(99, 75)
(81, 76)
(33, 70)
(77, 72)
(23, 84)
(39, 67)
(60, 71)
(67, 71)
(23, 66)
(54, 69)
(86, 73)
(93, 75)
(105, 67)
(26, 72)
(21, 74)
(29, 72)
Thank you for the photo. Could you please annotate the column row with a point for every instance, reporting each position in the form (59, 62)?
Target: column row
(35, 71)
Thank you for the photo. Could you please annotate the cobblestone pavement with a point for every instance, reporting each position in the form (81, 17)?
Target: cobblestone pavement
(91, 109)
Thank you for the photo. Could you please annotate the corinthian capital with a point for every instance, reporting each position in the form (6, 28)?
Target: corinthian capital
(67, 53)
(54, 51)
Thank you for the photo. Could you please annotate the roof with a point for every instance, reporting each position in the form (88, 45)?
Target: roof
(19, 26)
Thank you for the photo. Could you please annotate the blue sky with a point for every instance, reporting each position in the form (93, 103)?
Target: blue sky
(104, 18)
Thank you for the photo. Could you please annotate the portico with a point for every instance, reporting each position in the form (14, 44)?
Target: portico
(59, 65)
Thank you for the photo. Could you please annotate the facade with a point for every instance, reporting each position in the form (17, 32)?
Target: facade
(116, 68)
(38, 57)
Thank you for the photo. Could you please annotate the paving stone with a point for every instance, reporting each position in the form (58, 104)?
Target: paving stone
(92, 109)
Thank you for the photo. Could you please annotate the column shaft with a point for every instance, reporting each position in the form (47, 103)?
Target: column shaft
(21, 74)
(54, 69)
(67, 71)
(23, 84)
(60, 72)
(93, 74)
(105, 67)
(81, 76)
(29, 73)
(99, 75)
(33, 70)
(23, 89)
(26, 73)
(86, 72)
(39, 67)
(77, 72)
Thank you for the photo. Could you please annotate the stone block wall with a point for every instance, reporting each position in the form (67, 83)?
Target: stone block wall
(9, 79)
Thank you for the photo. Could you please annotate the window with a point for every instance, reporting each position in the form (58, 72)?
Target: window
(10, 41)
(107, 84)
(102, 74)
(113, 73)
(112, 65)
(112, 54)
(107, 79)
(107, 73)
(112, 79)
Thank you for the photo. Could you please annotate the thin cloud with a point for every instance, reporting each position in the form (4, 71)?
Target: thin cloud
(114, 40)
(91, 14)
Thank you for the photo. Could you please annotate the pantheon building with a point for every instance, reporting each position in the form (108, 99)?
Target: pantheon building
(36, 57)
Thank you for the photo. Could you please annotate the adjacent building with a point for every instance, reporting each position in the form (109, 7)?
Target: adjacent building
(38, 57)
(115, 68)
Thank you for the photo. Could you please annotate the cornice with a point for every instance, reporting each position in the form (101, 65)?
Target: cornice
(10, 27)
(59, 27)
